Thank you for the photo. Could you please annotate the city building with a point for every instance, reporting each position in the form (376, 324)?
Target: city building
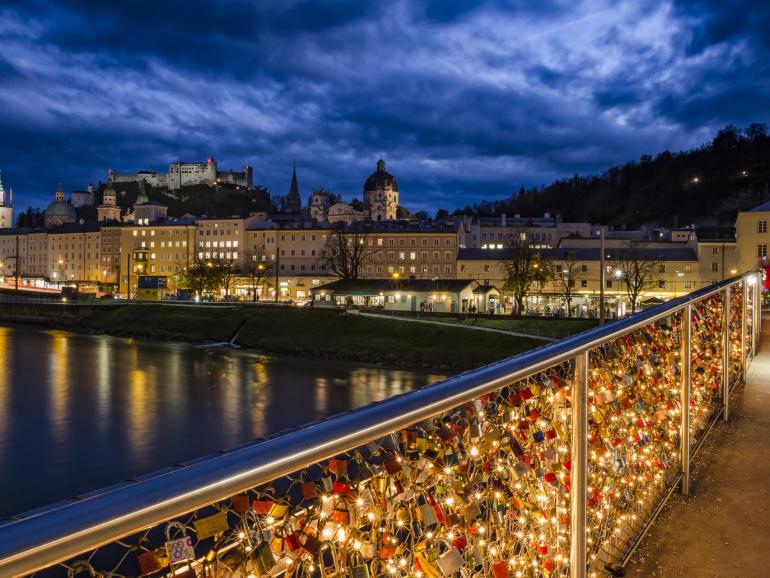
(146, 212)
(677, 272)
(345, 214)
(224, 238)
(542, 232)
(74, 255)
(320, 205)
(381, 194)
(6, 206)
(158, 249)
(109, 209)
(181, 174)
(413, 249)
(424, 295)
(752, 238)
(60, 211)
(80, 198)
(716, 253)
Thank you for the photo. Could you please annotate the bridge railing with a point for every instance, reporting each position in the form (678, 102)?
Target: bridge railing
(550, 463)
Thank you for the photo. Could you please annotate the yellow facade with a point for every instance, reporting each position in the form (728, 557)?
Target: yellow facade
(752, 238)
(162, 249)
(74, 257)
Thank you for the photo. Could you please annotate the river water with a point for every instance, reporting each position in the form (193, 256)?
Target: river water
(79, 412)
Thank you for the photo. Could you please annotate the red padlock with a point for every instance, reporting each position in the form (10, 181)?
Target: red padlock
(500, 569)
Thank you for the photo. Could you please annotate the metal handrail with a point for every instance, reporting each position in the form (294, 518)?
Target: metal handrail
(57, 533)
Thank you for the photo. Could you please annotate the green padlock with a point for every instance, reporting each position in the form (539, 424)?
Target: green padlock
(360, 571)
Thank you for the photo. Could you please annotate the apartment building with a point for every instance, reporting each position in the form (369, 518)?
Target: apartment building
(74, 254)
(542, 232)
(677, 273)
(161, 249)
(752, 237)
(410, 249)
(716, 254)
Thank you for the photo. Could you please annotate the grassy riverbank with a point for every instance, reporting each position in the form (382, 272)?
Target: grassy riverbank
(313, 332)
(548, 326)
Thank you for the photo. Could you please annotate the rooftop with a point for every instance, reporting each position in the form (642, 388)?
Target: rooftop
(586, 254)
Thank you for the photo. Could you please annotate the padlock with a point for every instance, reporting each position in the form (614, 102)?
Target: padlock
(427, 515)
(240, 504)
(500, 569)
(148, 562)
(450, 561)
(329, 570)
(211, 525)
(338, 467)
(341, 516)
(309, 490)
(262, 558)
(359, 571)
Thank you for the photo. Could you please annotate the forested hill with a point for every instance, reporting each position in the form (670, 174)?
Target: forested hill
(675, 189)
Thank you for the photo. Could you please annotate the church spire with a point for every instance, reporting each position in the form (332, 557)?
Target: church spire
(2, 190)
(293, 201)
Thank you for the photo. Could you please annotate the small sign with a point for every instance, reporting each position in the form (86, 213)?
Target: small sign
(180, 550)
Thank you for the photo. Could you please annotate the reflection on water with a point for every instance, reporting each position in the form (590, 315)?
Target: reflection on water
(78, 412)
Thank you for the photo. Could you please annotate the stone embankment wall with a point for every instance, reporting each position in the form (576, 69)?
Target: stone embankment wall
(49, 313)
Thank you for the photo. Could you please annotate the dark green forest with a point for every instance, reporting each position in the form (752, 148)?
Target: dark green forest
(713, 181)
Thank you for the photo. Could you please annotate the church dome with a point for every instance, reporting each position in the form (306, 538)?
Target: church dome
(380, 179)
(60, 209)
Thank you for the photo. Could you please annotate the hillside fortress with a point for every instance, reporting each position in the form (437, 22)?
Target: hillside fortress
(181, 174)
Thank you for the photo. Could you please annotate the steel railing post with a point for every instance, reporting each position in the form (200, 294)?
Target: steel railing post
(578, 549)
(686, 361)
(743, 328)
(726, 356)
(753, 293)
(756, 309)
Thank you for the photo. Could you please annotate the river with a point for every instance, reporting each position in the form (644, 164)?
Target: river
(79, 412)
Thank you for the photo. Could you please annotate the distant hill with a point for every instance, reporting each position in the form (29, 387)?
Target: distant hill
(706, 185)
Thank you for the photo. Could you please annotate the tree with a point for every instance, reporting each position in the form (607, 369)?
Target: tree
(524, 267)
(223, 275)
(197, 277)
(257, 270)
(637, 271)
(346, 251)
(566, 275)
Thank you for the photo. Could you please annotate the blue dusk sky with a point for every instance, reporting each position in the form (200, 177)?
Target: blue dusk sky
(465, 101)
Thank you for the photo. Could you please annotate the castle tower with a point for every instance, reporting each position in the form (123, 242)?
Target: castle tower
(6, 208)
(381, 194)
(293, 202)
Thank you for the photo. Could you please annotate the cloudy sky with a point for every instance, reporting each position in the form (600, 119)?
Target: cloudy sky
(464, 100)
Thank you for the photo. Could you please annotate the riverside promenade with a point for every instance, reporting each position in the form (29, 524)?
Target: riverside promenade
(723, 528)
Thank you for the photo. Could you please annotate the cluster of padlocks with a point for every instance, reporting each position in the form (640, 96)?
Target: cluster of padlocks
(481, 490)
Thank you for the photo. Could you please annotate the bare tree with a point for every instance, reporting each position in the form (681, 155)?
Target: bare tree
(223, 275)
(257, 270)
(638, 272)
(524, 267)
(566, 275)
(346, 251)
